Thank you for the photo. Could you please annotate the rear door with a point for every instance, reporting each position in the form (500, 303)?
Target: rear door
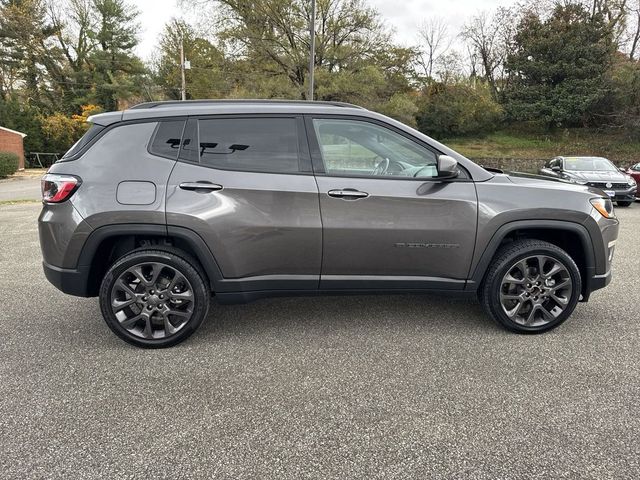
(245, 185)
(387, 223)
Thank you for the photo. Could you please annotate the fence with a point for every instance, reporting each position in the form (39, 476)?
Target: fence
(42, 159)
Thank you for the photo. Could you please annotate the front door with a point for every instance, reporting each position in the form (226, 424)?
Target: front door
(244, 184)
(386, 222)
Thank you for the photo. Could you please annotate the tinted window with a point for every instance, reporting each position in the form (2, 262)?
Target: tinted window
(166, 139)
(86, 138)
(351, 147)
(251, 144)
(189, 149)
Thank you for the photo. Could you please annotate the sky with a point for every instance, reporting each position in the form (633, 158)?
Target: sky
(404, 16)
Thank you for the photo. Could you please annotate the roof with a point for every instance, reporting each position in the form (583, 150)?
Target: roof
(176, 108)
(247, 101)
(13, 131)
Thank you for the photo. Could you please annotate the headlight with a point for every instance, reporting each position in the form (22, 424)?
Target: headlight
(604, 206)
(631, 182)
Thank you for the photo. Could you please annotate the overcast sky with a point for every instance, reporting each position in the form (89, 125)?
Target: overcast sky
(402, 15)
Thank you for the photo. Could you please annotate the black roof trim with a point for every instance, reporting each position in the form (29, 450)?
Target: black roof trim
(176, 103)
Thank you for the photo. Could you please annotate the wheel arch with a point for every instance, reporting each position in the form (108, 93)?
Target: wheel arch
(572, 237)
(108, 243)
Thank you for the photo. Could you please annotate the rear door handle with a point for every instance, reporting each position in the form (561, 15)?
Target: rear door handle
(347, 194)
(201, 187)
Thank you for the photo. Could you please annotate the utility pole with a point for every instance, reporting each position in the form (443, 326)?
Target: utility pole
(183, 90)
(312, 48)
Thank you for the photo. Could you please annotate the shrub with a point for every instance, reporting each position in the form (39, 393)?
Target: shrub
(458, 109)
(9, 162)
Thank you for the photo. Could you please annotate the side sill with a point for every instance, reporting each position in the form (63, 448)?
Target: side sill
(230, 298)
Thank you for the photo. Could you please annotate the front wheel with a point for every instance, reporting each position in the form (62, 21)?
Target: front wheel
(532, 286)
(154, 298)
(624, 204)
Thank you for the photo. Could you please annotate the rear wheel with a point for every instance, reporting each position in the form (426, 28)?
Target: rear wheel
(624, 204)
(532, 286)
(153, 298)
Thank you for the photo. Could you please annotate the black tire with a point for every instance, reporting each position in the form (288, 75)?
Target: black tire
(186, 271)
(506, 261)
(624, 204)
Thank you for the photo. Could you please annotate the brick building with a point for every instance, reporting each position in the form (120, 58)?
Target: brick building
(12, 141)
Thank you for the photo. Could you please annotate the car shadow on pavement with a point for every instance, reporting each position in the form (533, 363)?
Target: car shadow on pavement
(434, 313)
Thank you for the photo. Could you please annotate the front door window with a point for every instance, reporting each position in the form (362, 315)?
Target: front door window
(358, 148)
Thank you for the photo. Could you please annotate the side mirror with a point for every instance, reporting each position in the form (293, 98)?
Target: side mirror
(447, 167)
(622, 169)
(556, 168)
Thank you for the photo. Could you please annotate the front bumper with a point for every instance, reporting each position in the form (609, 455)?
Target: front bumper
(594, 282)
(628, 195)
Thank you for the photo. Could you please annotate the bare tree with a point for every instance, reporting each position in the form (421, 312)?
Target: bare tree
(634, 30)
(434, 43)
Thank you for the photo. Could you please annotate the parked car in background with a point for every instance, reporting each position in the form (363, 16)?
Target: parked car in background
(595, 172)
(634, 172)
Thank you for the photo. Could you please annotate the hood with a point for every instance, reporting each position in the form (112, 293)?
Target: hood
(530, 179)
(614, 176)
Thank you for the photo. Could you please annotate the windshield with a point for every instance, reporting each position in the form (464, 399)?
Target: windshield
(588, 164)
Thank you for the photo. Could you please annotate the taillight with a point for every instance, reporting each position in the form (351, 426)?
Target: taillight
(58, 188)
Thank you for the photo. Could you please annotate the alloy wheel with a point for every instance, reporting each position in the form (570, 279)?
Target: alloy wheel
(535, 290)
(152, 300)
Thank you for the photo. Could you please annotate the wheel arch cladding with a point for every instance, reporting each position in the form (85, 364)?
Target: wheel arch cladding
(571, 237)
(107, 244)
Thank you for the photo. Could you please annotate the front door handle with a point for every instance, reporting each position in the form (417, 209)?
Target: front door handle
(200, 187)
(347, 194)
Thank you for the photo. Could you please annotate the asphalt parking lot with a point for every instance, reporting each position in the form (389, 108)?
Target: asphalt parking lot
(338, 387)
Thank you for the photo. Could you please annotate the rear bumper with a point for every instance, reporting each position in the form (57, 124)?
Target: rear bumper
(70, 281)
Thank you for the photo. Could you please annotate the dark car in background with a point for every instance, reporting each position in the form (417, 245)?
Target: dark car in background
(634, 172)
(595, 172)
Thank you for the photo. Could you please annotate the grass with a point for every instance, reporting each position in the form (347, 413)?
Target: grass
(30, 172)
(505, 144)
(18, 202)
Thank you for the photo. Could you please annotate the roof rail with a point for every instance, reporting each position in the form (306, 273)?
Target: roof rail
(171, 103)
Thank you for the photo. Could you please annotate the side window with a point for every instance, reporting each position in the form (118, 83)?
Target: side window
(248, 144)
(359, 148)
(94, 130)
(189, 148)
(165, 141)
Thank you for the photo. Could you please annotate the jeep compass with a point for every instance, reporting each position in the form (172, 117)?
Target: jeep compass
(161, 206)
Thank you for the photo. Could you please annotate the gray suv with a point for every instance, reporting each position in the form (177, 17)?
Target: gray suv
(162, 205)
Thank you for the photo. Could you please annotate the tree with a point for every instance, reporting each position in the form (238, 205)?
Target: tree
(434, 42)
(205, 79)
(634, 31)
(458, 109)
(117, 72)
(559, 67)
(25, 40)
(274, 35)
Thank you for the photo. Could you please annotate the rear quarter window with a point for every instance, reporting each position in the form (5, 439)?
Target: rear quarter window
(94, 130)
(165, 141)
